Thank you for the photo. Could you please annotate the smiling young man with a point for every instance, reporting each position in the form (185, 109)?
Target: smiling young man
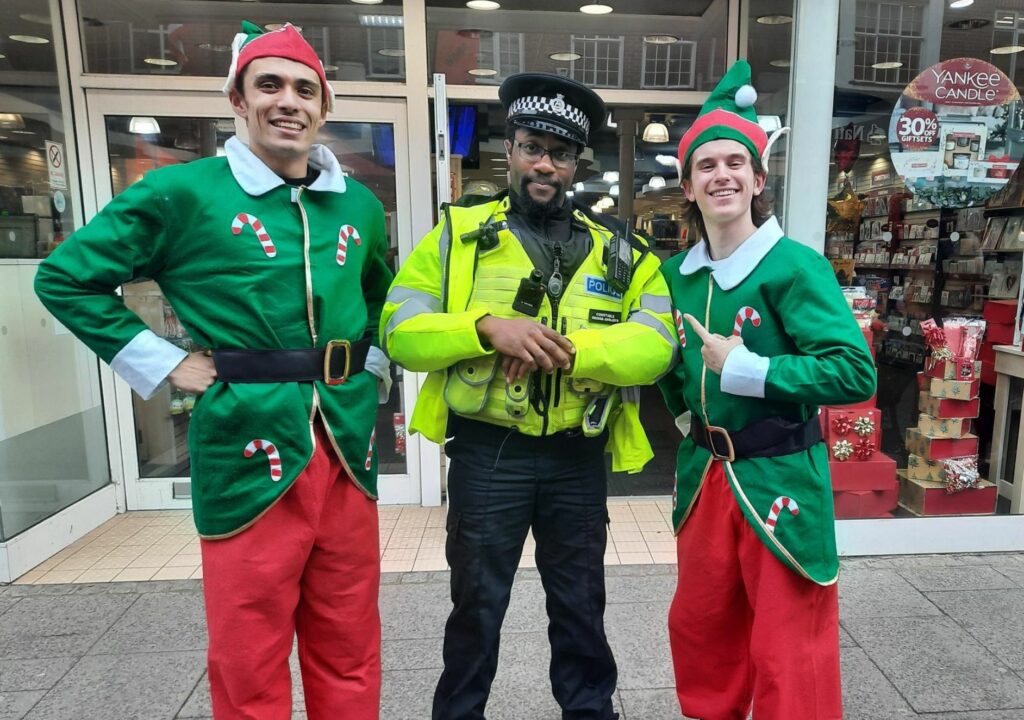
(273, 260)
(766, 337)
(511, 308)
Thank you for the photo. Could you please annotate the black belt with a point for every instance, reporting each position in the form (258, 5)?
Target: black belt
(332, 364)
(767, 437)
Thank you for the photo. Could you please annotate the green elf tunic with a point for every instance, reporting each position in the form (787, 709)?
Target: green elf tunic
(246, 261)
(802, 348)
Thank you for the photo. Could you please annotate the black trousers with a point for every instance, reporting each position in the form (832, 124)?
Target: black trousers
(500, 484)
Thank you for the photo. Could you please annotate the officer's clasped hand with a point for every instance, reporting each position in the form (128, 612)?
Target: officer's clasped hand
(527, 346)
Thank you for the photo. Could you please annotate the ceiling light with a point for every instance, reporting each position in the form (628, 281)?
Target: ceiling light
(381, 21)
(565, 56)
(614, 190)
(30, 39)
(780, 63)
(161, 62)
(2, 56)
(596, 208)
(660, 39)
(12, 121)
(483, 5)
(596, 9)
(611, 176)
(606, 202)
(33, 18)
(391, 52)
(22, 132)
(668, 160)
(1007, 50)
(655, 132)
(330, 68)
(483, 72)
(367, 2)
(570, 193)
(957, 4)
(143, 126)
(578, 186)
(775, 19)
(887, 65)
(657, 182)
(3, 137)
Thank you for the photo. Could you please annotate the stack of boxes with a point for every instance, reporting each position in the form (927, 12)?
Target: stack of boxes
(1000, 316)
(941, 477)
(863, 479)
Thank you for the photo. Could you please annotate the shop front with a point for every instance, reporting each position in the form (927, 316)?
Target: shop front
(94, 93)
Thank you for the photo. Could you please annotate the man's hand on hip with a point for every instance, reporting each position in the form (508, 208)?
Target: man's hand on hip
(716, 347)
(194, 374)
(535, 346)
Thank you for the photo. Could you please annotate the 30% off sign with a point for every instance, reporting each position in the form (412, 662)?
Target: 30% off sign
(917, 129)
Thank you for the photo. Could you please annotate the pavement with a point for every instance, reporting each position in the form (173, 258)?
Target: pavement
(938, 637)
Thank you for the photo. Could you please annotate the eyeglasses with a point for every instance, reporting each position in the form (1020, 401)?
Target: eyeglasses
(533, 152)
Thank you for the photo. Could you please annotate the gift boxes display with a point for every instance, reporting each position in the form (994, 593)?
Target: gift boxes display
(954, 369)
(934, 448)
(925, 498)
(954, 389)
(946, 408)
(851, 433)
(863, 479)
(939, 427)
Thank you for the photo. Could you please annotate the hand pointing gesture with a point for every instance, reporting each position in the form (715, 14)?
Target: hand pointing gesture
(716, 347)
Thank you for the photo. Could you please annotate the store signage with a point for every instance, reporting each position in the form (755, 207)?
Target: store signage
(55, 165)
(947, 135)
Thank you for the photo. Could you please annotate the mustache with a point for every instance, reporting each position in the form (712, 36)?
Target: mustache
(527, 179)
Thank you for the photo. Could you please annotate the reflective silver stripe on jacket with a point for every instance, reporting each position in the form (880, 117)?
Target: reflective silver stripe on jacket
(656, 303)
(631, 394)
(413, 303)
(653, 322)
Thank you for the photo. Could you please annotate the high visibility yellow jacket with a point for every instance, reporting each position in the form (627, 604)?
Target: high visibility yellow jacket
(452, 279)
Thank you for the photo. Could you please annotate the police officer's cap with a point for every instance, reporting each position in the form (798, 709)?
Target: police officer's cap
(552, 104)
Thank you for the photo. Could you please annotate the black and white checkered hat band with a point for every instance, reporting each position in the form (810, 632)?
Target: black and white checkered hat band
(556, 106)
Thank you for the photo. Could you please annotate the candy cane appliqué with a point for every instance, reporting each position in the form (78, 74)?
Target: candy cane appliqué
(773, 515)
(243, 219)
(272, 455)
(680, 327)
(346, 233)
(369, 452)
(746, 313)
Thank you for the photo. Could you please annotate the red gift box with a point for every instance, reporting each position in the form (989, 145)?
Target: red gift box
(930, 498)
(988, 373)
(1000, 311)
(946, 408)
(988, 352)
(850, 504)
(957, 368)
(940, 448)
(878, 473)
(999, 333)
(861, 427)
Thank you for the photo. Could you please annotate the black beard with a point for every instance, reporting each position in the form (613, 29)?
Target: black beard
(536, 210)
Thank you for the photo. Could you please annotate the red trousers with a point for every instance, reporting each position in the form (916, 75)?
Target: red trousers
(743, 627)
(310, 566)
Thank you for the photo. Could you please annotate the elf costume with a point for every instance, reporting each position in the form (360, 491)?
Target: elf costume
(282, 456)
(755, 615)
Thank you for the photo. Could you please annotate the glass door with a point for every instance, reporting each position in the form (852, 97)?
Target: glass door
(369, 140)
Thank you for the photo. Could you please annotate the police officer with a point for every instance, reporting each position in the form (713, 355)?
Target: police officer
(535, 321)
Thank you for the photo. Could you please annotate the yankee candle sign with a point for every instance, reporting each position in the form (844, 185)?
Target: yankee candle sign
(963, 81)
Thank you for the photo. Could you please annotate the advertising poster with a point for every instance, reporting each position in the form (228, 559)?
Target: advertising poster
(954, 136)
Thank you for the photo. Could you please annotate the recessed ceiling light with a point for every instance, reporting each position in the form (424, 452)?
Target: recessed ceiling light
(367, 2)
(22, 132)
(565, 56)
(1007, 49)
(660, 39)
(596, 9)
(780, 63)
(483, 72)
(160, 62)
(775, 19)
(887, 65)
(392, 21)
(657, 182)
(30, 39)
(957, 4)
(483, 5)
(34, 18)
(612, 176)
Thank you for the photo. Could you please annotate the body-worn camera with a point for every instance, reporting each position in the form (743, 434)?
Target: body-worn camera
(530, 296)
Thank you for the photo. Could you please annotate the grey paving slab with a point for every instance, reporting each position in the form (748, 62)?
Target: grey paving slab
(993, 618)
(1012, 714)
(653, 704)
(1014, 573)
(867, 694)
(526, 611)
(157, 622)
(638, 635)
(973, 577)
(414, 610)
(41, 674)
(936, 665)
(844, 638)
(15, 705)
(55, 626)
(198, 704)
(880, 593)
(640, 589)
(407, 694)
(6, 603)
(415, 654)
(907, 562)
(141, 687)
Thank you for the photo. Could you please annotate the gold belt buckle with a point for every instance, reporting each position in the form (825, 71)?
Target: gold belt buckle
(710, 431)
(332, 345)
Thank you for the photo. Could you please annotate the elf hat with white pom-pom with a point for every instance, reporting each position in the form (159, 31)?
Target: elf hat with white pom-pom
(728, 114)
(284, 42)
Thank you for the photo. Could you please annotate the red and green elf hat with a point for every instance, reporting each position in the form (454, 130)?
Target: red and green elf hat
(728, 114)
(285, 42)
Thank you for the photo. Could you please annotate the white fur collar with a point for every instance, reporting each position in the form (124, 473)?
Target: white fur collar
(733, 270)
(257, 179)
